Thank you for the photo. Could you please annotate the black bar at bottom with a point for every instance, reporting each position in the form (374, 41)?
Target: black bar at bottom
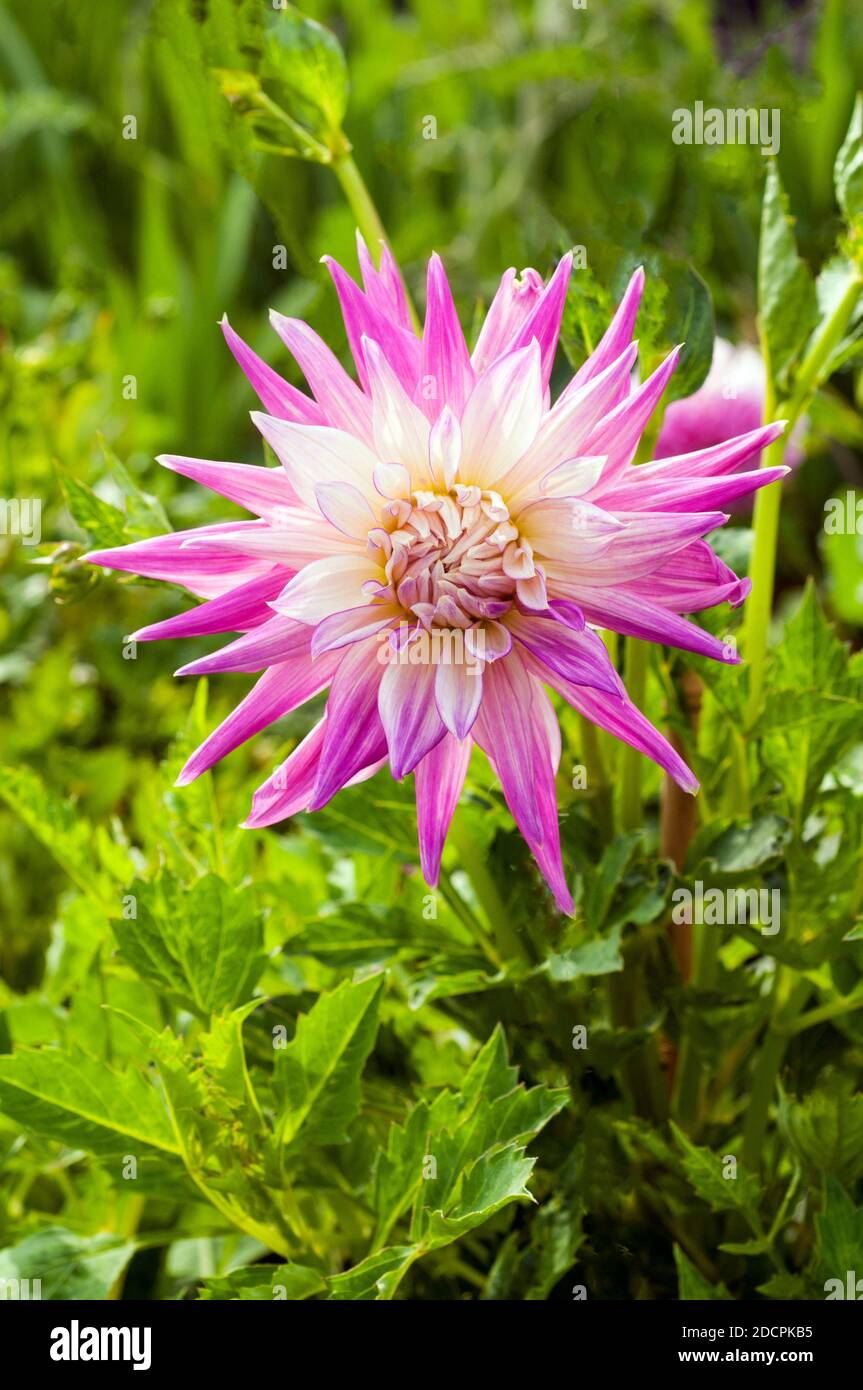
(65, 1339)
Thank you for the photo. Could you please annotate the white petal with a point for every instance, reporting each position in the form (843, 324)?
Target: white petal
(501, 417)
(313, 454)
(344, 507)
(445, 446)
(458, 695)
(401, 430)
(327, 586)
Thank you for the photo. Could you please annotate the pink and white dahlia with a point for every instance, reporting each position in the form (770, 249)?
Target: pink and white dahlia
(439, 546)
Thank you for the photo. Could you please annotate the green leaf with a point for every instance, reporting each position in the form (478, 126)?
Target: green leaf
(263, 1284)
(317, 1075)
(461, 1159)
(490, 1183)
(784, 1287)
(691, 1283)
(848, 169)
(398, 1174)
(64, 832)
(376, 1277)
(839, 1231)
(490, 1073)
(598, 957)
(787, 307)
(740, 849)
(104, 523)
(689, 319)
(704, 1171)
(306, 62)
(814, 702)
(69, 1267)
(202, 944)
(143, 513)
(826, 1129)
(83, 1103)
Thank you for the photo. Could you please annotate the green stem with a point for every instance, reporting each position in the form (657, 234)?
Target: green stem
(789, 998)
(508, 942)
(366, 214)
(760, 603)
(469, 919)
(825, 1012)
(767, 503)
(598, 784)
(811, 369)
(688, 1082)
(641, 1070)
(636, 684)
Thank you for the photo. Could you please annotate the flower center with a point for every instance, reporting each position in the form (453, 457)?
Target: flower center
(453, 559)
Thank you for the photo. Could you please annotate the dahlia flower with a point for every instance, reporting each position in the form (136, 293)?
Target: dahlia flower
(438, 547)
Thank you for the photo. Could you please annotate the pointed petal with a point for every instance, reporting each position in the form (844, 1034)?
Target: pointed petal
(384, 287)
(276, 640)
(543, 321)
(631, 613)
(580, 657)
(439, 779)
(353, 625)
(620, 717)
(408, 712)
(244, 607)
(276, 395)
(688, 494)
(289, 788)
(313, 454)
(717, 461)
(345, 507)
(458, 695)
(445, 445)
(264, 491)
(401, 431)
(617, 336)
(620, 432)
(207, 570)
(513, 730)
(691, 579)
(341, 400)
(513, 302)
(501, 418)
(645, 541)
(445, 358)
(568, 529)
(354, 736)
(565, 429)
(401, 348)
(301, 536)
(280, 689)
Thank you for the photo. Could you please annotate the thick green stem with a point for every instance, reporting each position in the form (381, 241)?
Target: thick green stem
(789, 998)
(688, 1082)
(760, 603)
(636, 683)
(509, 944)
(642, 1073)
(598, 784)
